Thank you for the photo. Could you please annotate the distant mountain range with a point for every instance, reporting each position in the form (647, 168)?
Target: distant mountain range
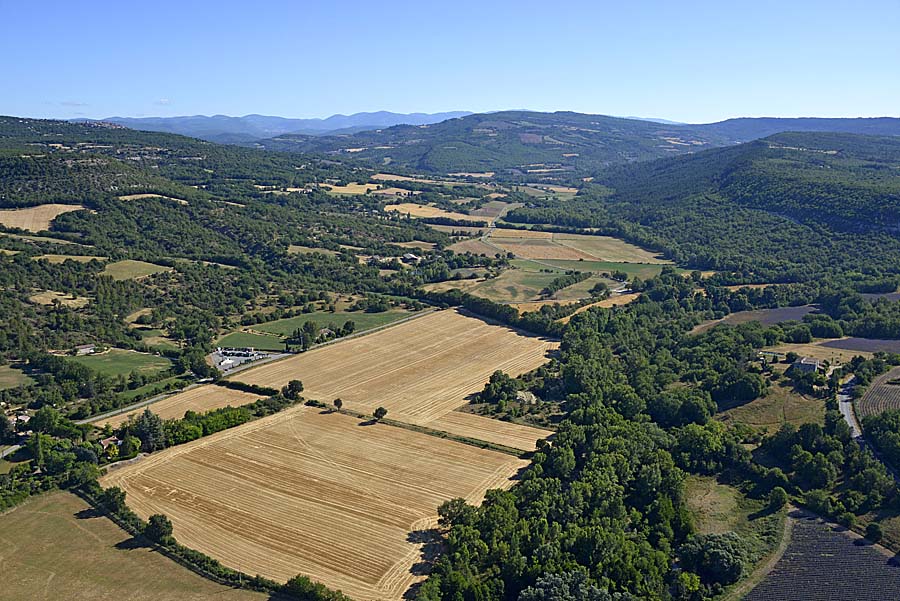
(249, 128)
(551, 145)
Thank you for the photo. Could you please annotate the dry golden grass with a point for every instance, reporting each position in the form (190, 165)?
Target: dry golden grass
(415, 244)
(418, 370)
(605, 248)
(484, 174)
(490, 430)
(816, 350)
(417, 210)
(396, 192)
(474, 246)
(619, 300)
(48, 296)
(387, 177)
(64, 258)
(146, 196)
(200, 399)
(466, 229)
(524, 234)
(541, 248)
(311, 492)
(452, 285)
(352, 188)
(536, 305)
(35, 219)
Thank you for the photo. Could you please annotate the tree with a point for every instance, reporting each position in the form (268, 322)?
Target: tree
(46, 419)
(338, 403)
(874, 532)
(568, 586)
(380, 413)
(292, 390)
(716, 558)
(7, 433)
(778, 498)
(149, 430)
(159, 529)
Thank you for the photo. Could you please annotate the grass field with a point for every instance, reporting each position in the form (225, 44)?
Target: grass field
(294, 249)
(35, 219)
(312, 492)
(474, 246)
(242, 339)
(418, 370)
(514, 285)
(200, 399)
(619, 300)
(115, 362)
(641, 270)
(417, 210)
(47, 297)
(10, 377)
(530, 244)
(56, 547)
(130, 270)
(766, 317)
(350, 189)
(781, 405)
(155, 338)
(360, 319)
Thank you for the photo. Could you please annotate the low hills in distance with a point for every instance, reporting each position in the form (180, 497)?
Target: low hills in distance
(249, 128)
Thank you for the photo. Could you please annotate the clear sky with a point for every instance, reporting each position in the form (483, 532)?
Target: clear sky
(683, 60)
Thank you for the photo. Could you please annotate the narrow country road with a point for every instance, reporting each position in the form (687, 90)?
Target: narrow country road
(845, 404)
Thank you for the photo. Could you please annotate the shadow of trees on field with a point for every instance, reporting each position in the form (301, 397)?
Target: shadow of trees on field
(432, 546)
(88, 514)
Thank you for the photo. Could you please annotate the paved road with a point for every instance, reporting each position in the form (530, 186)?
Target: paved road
(845, 404)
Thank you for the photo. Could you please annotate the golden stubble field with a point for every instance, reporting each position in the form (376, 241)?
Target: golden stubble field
(419, 370)
(340, 500)
(200, 399)
(35, 219)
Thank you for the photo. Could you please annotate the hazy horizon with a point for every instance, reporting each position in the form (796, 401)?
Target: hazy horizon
(695, 62)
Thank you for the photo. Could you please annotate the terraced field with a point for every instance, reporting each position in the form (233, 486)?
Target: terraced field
(312, 492)
(881, 396)
(824, 564)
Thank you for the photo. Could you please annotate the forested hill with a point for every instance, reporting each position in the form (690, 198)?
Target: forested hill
(561, 145)
(521, 141)
(794, 206)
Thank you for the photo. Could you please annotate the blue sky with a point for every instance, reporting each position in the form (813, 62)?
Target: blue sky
(686, 61)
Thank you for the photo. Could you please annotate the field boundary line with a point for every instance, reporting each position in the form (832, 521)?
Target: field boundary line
(764, 568)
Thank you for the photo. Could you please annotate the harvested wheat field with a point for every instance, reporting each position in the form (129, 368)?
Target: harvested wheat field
(311, 492)
(475, 246)
(418, 370)
(35, 219)
(350, 189)
(200, 399)
(479, 427)
(417, 210)
(530, 234)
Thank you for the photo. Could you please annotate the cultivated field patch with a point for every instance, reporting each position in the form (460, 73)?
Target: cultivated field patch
(350, 189)
(35, 219)
(200, 399)
(882, 395)
(116, 362)
(767, 317)
(146, 196)
(130, 270)
(55, 546)
(48, 297)
(312, 492)
(861, 346)
(475, 246)
(821, 350)
(618, 300)
(295, 249)
(479, 427)
(418, 370)
(10, 377)
(427, 211)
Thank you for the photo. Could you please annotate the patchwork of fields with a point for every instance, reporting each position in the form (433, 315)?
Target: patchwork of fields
(312, 492)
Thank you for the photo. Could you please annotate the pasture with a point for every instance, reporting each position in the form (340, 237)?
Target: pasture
(618, 300)
(295, 249)
(118, 362)
(313, 492)
(780, 406)
(361, 320)
(475, 246)
(642, 270)
(350, 189)
(48, 297)
(11, 377)
(35, 219)
(132, 270)
(529, 244)
(55, 546)
(418, 370)
(199, 399)
(242, 339)
(882, 395)
(821, 350)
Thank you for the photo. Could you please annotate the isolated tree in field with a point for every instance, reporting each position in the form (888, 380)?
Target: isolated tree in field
(293, 390)
(778, 498)
(159, 529)
(338, 403)
(873, 532)
(380, 413)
